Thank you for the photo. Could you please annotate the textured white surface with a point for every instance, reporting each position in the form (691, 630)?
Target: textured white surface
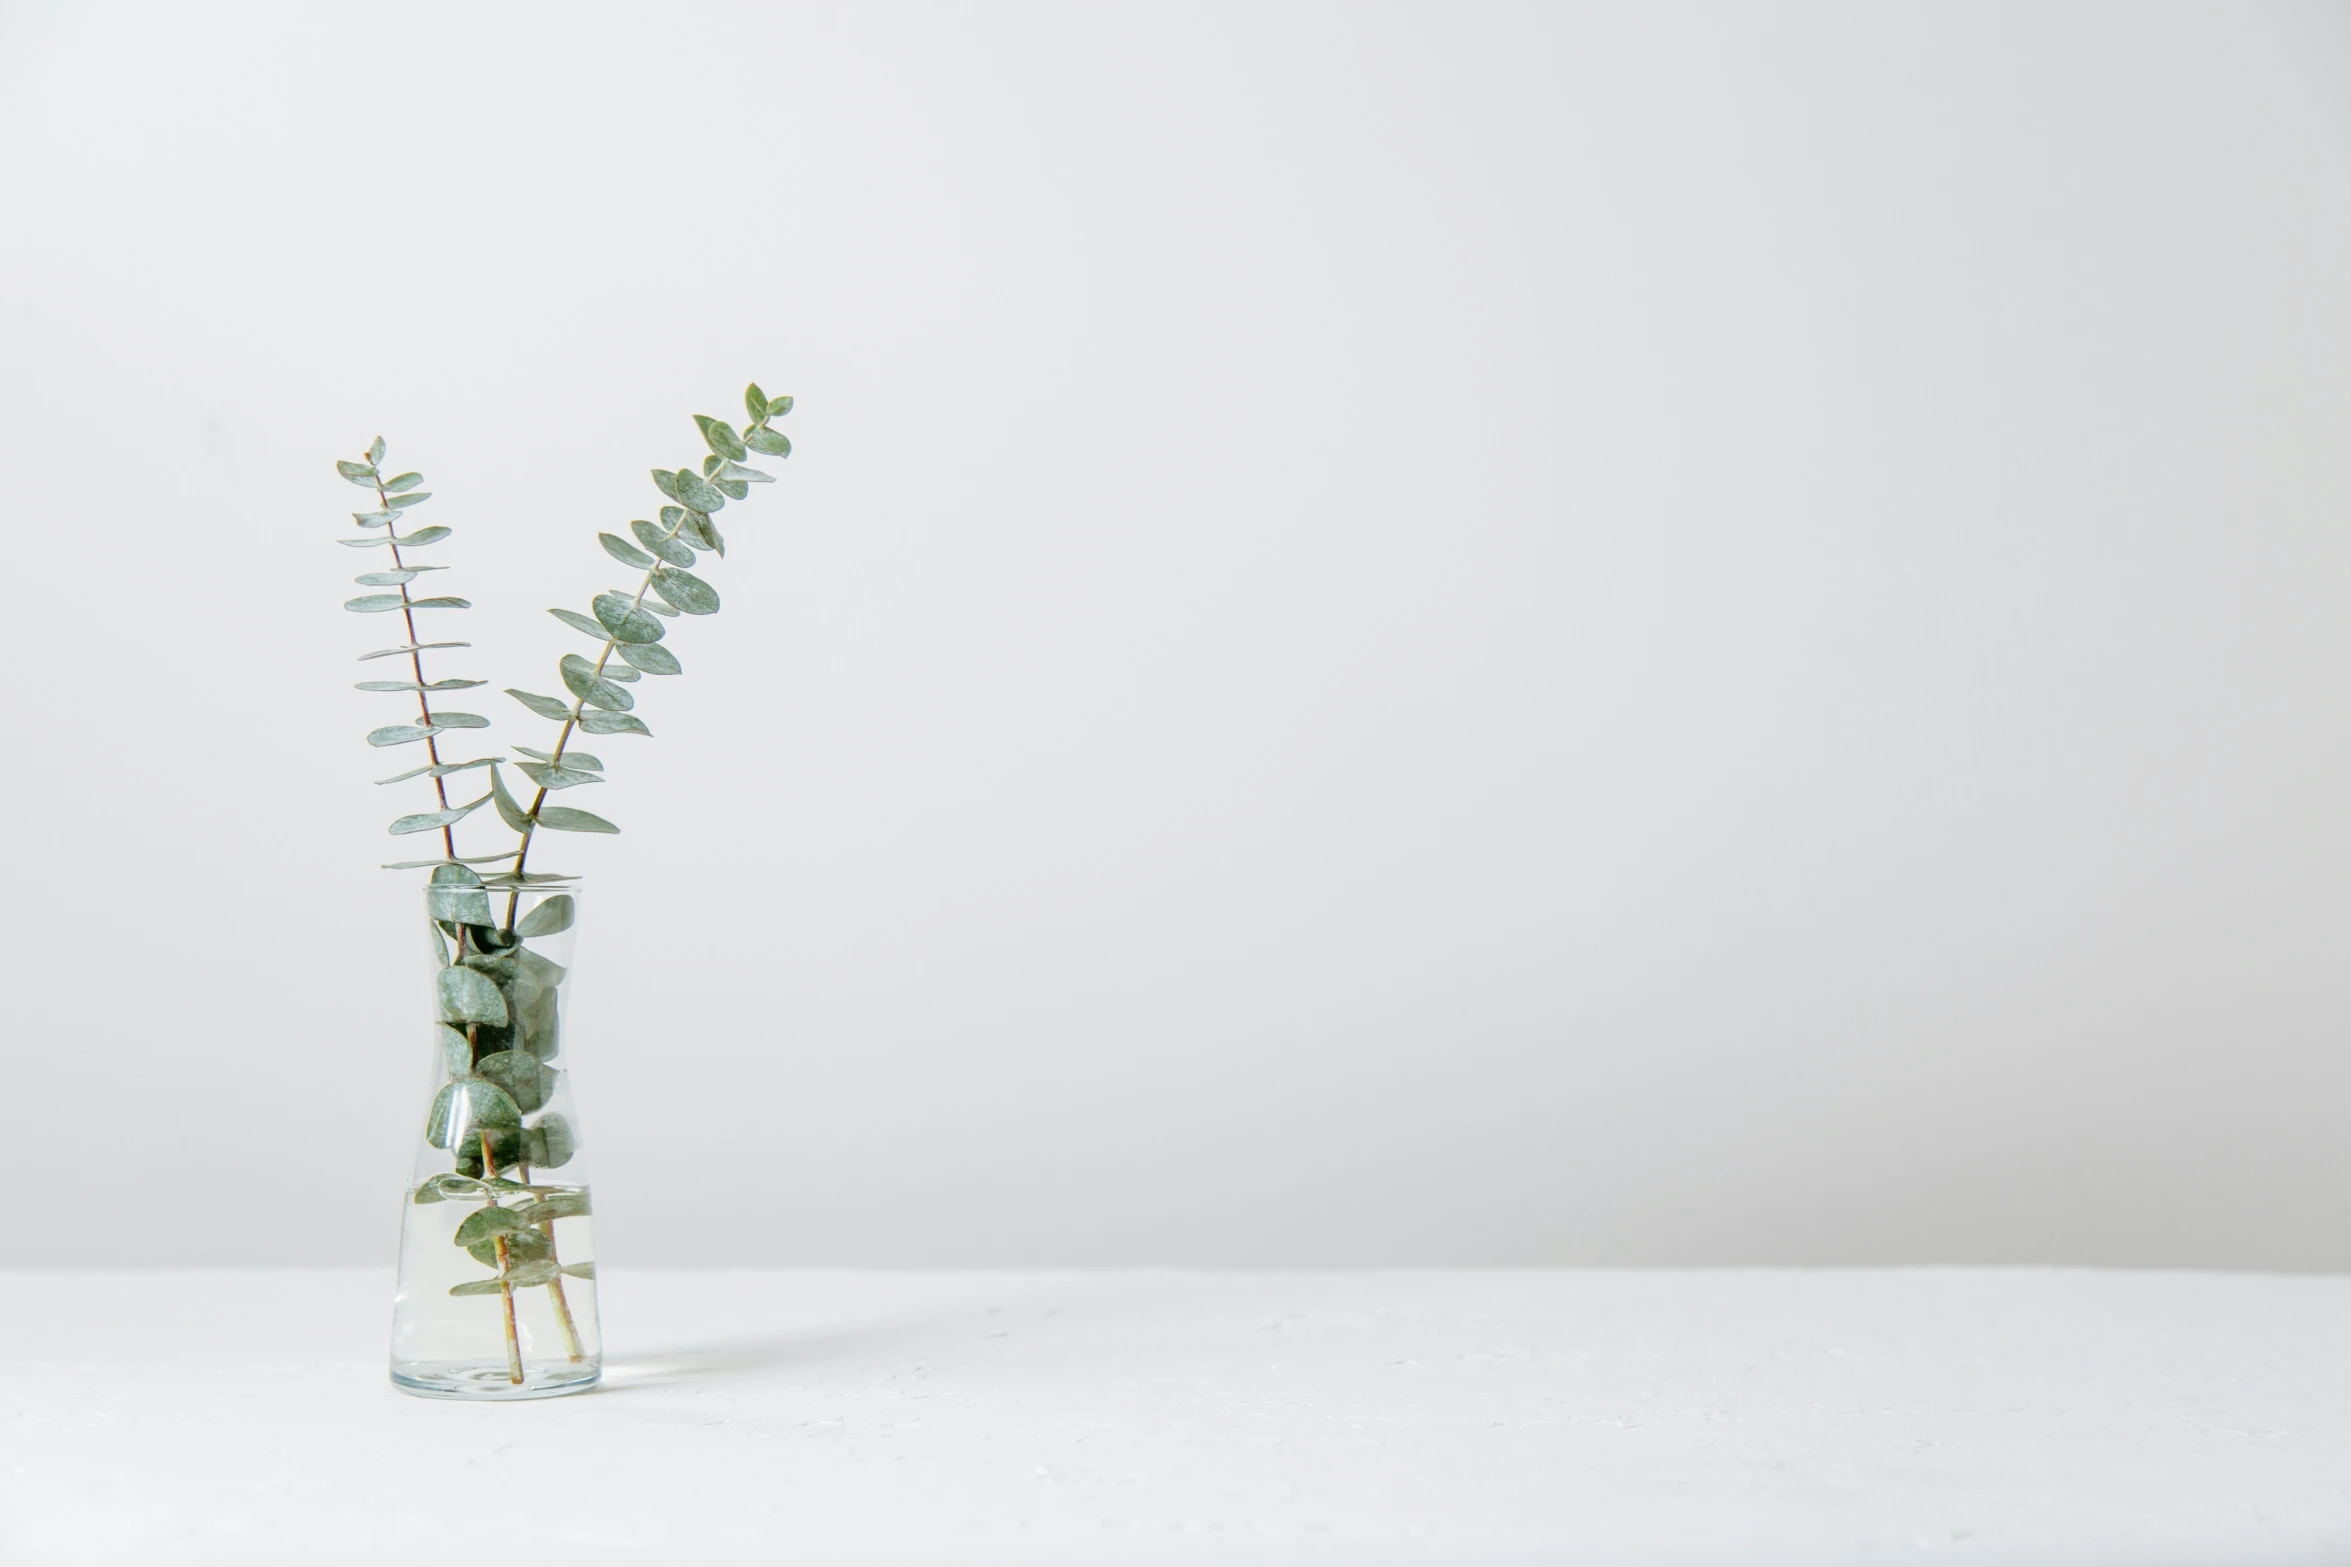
(1463, 1417)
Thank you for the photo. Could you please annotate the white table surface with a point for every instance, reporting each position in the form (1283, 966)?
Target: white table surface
(1439, 1417)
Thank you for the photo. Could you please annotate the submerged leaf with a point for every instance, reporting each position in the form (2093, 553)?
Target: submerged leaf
(529, 1272)
(622, 550)
(551, 1143)
(581, 1270)
(563, 1205)
(468, 997)
(544, 706)
(479, 1287)
(562, 818)
(456, 1049)
(526, 1082)
(487, 1225)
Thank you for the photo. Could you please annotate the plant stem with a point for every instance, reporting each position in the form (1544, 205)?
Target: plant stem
(505, 1288)
(432, 745)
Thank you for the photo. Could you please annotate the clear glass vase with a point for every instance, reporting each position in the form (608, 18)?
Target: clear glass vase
(497, 1291)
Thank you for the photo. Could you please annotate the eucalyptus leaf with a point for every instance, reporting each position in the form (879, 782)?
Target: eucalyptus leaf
(456, 1049)
(755, 403)
(624, 621)
(427, 821)
(552, 915)
(526, 1082)
(509, 810)
(486, 1224)
(523, 1244)
(657, 607)
(710, 464)
(602, 723)
(454, 876)
(563, 1205)
(375, 519)
(460, 905)
(363, 544)
(571, 758)
(772, 443)
(356, 472)
(544, 706)
(411, 685)
(468, 1104)
(737, 471)
(406, 481)
(622, 550)
(418, 498)
(579, 622)
(551, 1142)
(440, 603)
(697, 492)
(374, 603)
(708, 535)
(527, 878)
(651, 657)
(666, 482)
(722, 438)
(412, 647)
(552, 778)
(732, 489)
(658, 541)
(777, 407)
(528, 1272)
(562, 818)
(400, 734)
(479, 1287)
(442, 770)
(468, 997)
(375, 451)
(388, 579)
(460, 720)
(625, 673)
(581, 677)
(463, 859)
(686, 592)
(581, 1270)
(420, 537)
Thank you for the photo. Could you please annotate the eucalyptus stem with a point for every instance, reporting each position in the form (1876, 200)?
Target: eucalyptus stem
(424, 708)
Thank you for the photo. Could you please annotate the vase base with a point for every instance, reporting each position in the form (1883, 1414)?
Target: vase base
(483, 1380)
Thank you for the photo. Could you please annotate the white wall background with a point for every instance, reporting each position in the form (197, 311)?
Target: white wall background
(1506, 635)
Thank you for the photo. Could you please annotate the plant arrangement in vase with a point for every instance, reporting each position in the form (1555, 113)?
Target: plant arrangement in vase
(500, 1119)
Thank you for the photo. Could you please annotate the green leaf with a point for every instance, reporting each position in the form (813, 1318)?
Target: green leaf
(416, 499)
(707, 534)
(544, 706)
(459, 720)
(421, 537)
(600, 723)
(440, 603)
(400, 734)
(571, 758)
(737, 471)
(581, 1270)
(625, 673)
(624, 621)
(469, 1103)
(429, 820)
(772, 443)
(442, 770)
(479, 1287)
(487, 1224)
(463, 859)
(685, 592)
(523, 1245)
(375, 451)
(411, 647)
(710, 464)
(622, 550)
(527, 1272)
(562, 818)
(456, 1049)
(579, 622)
(555, 914)
(411, 685)
(722, 437)
(406, 481)
(658, 541)
(557, 777)
(375, 519)
(563, 1205)
(777, 407)
(755, 402)
(651, 657)
(552, 1142)
(468, 997)
(459, 902)
(732, 489)
(506, 879)
(374, 603)
(666, 482)
(696, 492)
(580, 677)
(509, 810)
(388, 579)
(526, 1082)
(355, 471)
(657, 607)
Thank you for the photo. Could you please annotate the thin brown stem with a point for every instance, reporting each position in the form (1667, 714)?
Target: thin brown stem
(505, 1287)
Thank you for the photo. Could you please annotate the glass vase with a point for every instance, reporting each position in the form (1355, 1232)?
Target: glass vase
(497, 1290)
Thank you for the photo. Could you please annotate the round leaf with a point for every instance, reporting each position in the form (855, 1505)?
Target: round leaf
(551, 1142)
(526, 1082)
(466, 1106)
(563, 1205)
(456, 1050)
(651, 657)
(468, 997)
(555, 914)
(623, 551)
(597, 723)
(689, 593)
(623, 621)
(579, 622)
(658, 540)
